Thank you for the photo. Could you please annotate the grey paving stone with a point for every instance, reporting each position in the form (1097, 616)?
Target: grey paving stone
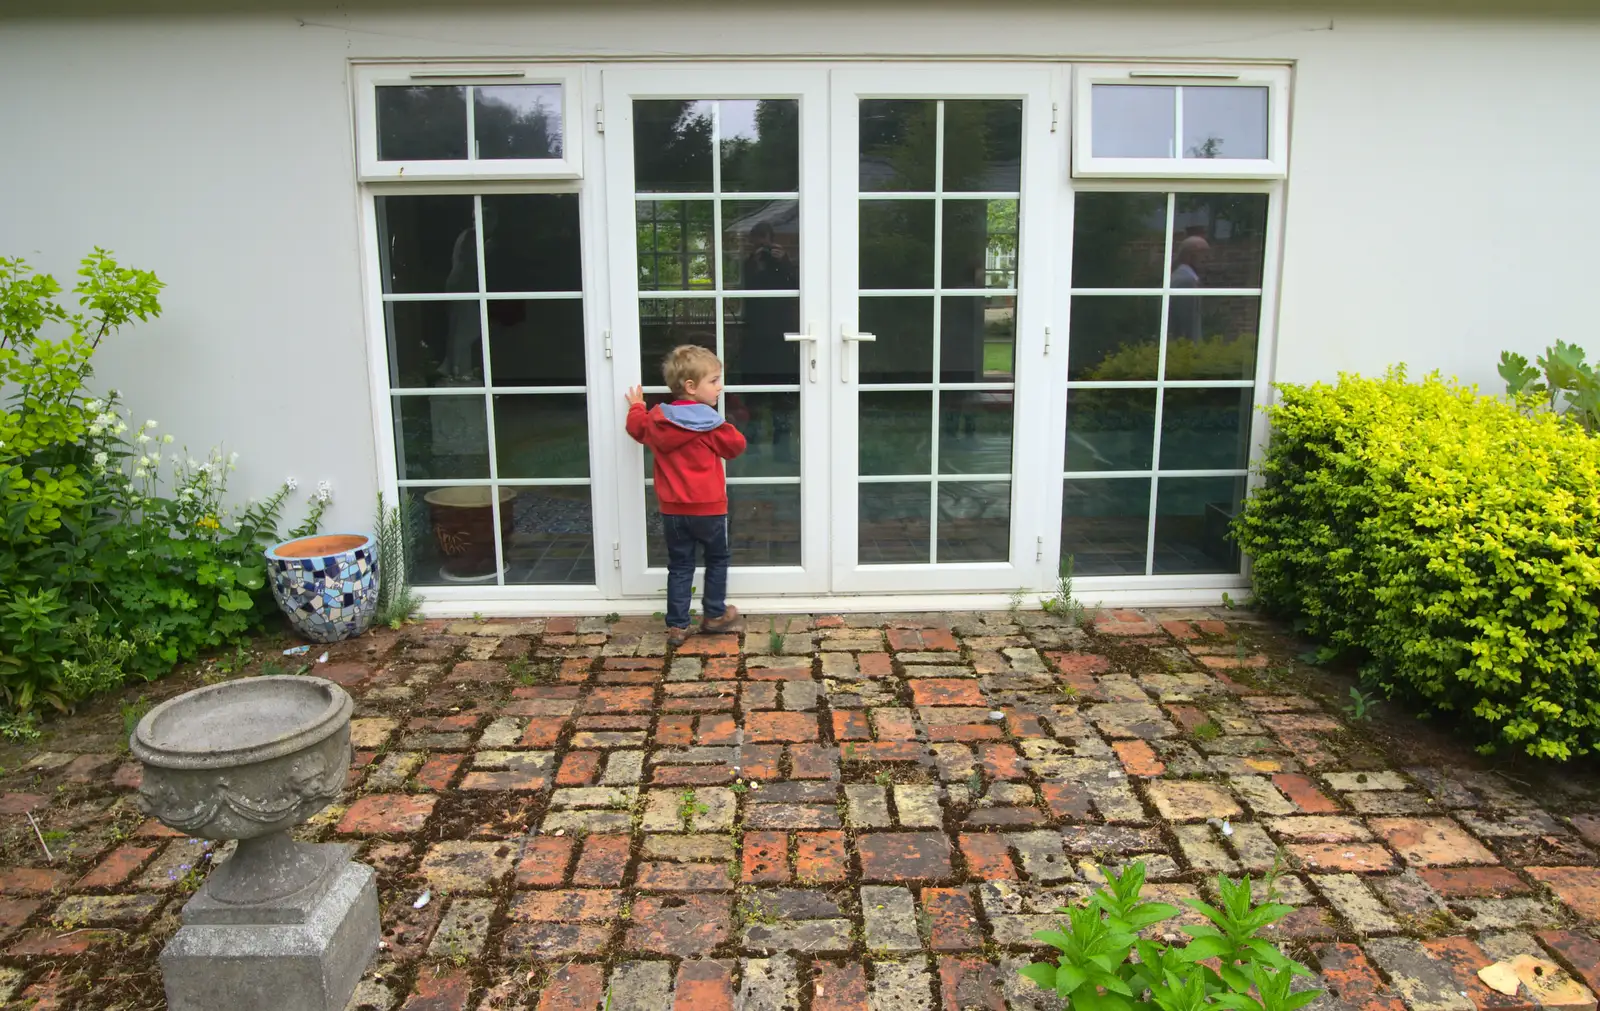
(889, 914)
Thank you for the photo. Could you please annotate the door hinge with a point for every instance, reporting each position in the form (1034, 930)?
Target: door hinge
(607, 335)
(1046, 341)
(600, 119)
(1038, 552)
(616, 554)
(1055, 115)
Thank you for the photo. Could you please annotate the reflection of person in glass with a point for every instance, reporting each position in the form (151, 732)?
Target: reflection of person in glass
(1183, 318)
(463, 342)
(765, 356)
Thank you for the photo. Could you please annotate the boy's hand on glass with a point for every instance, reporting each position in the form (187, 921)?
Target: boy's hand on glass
(635, 395)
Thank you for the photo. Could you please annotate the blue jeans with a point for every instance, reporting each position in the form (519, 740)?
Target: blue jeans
(683, 533)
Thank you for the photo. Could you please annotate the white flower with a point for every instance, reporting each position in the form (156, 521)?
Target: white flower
(291, 483)
(100, 458)
(150, 424)
(324, 491)
(167, 439)
(144, 461)
(121, 427)
(143, 438)
(105, 418)
(141, 472)
(93, 406)
(233, 457)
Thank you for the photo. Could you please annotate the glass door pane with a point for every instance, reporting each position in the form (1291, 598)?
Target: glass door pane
(719, 253)
(930, 197)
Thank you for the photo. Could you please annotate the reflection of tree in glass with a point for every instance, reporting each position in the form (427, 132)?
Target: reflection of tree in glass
(672, 145)
(769, 161)
(1211, 147)
(426, 123)
(509, 125)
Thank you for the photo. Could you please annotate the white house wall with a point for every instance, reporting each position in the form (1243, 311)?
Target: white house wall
(1442, 202)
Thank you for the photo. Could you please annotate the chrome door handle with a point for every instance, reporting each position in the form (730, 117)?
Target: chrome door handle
(810, 338)
(848, 336)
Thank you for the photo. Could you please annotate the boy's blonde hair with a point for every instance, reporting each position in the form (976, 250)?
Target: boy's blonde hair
(688, 363)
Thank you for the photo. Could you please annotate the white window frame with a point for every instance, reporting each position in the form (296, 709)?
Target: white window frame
(1274, 78)
(368, 78)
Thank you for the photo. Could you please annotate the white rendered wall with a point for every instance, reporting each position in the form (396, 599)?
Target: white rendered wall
(1443, 200)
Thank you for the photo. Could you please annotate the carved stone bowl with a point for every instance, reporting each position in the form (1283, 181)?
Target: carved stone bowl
(244, 759)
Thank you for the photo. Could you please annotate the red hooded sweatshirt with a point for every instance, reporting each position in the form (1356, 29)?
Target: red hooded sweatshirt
(689, 442)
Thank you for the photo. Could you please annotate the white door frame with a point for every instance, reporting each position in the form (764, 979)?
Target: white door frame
(1043, 174)
(808, 84)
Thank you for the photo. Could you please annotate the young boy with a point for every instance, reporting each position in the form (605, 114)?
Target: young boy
(689, 440)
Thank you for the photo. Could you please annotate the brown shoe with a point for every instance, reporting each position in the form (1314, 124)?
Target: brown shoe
(722, 624)
(677, 636)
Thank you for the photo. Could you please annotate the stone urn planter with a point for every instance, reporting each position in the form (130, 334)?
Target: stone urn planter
(463, 527)
(326, 584)
(280, 924)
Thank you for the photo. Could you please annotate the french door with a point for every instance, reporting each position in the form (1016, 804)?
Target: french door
(866, 250)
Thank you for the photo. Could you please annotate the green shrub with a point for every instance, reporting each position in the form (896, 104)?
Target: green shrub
(1215, 357)
(118, 555)
(1570, 385)
(1095, 967)
(1446, 541)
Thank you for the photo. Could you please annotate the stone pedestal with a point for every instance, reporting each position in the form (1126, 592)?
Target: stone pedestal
(310, 965)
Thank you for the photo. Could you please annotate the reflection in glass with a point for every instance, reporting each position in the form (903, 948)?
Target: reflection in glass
(536, 342)
(664, 323)
(422, 122)
(897, 244)
(764, 524)
(433, 344)
(1105, 525)
(760, 145)
(1219, 240)
(441, 437)
(974, 521)
(755, 351)
(550, 535)
(896, 432)
(761, 245)
(983, 145)
(1224, 122)
(980, 244)
(1227, 327)
(671, 146)
(530, 242)
(450, 532)
(977, 338)
(541, 435)
(903, 352)
(1133, 121)
(1206, 429)
(517, 120)
(1110, 429)
(1192, 518)
(898, 144)
(675, 243)
(1118, 239)
(975, 431)
(894, 523)
(429, 245)
(770, 423)
(1114, 337)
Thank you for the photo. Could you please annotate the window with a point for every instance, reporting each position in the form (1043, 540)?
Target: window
(1161, 377)
(423, 121)
(1204, 121)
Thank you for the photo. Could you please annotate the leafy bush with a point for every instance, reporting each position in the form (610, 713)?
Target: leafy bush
(1446, 541)
(1566, 376)
(1095, 970)
(398, 601)
(106, 568)
(1216, 357)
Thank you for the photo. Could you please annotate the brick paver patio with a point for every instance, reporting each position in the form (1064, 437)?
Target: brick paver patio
(858, 812)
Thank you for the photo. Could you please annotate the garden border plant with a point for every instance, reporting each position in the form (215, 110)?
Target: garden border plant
(1096, 969)
(119, 554)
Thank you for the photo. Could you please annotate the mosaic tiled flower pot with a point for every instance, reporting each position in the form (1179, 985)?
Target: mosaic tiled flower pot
(463, 526)
(326, 584)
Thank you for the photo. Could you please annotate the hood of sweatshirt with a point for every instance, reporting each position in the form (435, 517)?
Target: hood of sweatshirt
(694, 417)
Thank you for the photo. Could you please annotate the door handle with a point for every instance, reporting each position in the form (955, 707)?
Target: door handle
(809, 338)
(848, 336)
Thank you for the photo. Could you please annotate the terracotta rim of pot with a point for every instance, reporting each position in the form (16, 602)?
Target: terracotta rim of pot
(319, 546)
(163, 752)
(468, 497)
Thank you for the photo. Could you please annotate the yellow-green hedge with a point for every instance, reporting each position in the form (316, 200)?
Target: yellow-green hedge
(1448, 542)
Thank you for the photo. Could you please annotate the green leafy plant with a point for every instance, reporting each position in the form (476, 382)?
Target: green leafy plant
(1063, 603)
(775, 637)
(1360, 705)
(1446, 542)
(1104, 965)
(119, 555)
(398, 601)
(1569, 385)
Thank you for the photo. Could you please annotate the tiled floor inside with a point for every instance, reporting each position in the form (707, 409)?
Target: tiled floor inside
(862, 812)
